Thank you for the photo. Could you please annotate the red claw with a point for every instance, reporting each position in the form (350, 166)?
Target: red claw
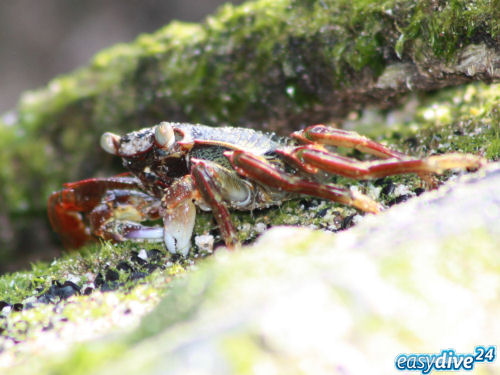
(69, 208)
(66, 222)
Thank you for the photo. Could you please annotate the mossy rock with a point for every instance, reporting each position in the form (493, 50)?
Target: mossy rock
(302, 301)
(298, 300)
(272, 65)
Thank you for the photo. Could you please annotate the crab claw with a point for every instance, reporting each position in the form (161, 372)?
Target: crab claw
(179, 224)
(145, 233)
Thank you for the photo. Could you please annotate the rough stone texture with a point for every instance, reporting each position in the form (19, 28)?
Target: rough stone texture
(422, 277)
(468, 204)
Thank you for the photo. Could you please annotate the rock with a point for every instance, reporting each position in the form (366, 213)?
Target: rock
(420, 277)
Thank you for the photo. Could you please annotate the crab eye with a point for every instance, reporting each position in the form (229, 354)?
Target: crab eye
(164, 135)
(110, 142)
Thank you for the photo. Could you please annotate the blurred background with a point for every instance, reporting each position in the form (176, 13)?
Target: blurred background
(42, 39)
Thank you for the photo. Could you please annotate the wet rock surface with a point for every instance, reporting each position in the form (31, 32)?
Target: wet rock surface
(421, 277)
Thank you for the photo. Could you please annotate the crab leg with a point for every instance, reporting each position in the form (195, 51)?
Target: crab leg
(364, 170)
(343, 138)
(319, 158)
(260, 170)
(205, 175)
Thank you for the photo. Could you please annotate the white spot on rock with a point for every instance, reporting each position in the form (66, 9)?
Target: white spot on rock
(260, 228)
(143, 254)
(402, 190)
(205, 242)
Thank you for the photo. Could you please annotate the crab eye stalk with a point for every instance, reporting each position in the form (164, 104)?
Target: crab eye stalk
(110, 143)
(164, 135)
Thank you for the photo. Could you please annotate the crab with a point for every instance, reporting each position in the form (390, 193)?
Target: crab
(173, 168)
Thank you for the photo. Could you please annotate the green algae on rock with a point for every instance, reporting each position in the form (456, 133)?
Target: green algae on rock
(323, 303)
(274, 65)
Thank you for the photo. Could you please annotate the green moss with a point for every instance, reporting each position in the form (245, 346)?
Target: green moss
(442, 28)
(243, 353)
(180, 320)
(85, 357)
(180, 304)
(245, 65)
(463, 119)
(248, 41)
(464, 255)
(396, 269)
(132, 295)
(87, 263)
(493, 150)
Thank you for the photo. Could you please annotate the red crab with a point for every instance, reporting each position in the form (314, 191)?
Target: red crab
(174, 167)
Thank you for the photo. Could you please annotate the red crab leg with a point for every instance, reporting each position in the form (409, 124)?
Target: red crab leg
(344, 138)
(260, 170)
(317, 157)
(205, 176)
